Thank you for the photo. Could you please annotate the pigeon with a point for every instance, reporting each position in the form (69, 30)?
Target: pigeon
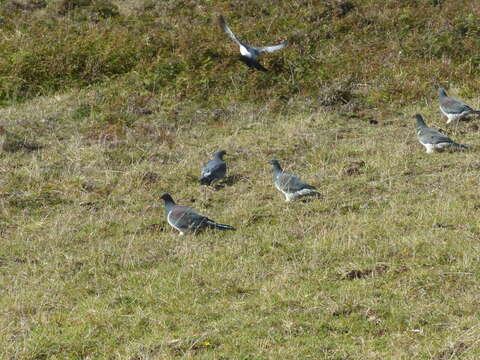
(433, 139)
(187, 220)
(452, 108)
(249, 53)
(290, 185)
(214, 170)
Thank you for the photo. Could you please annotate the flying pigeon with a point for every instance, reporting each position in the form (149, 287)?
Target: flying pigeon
(249, 53)
(452, 108)
(214, 169)
(433, 139)
(290, 185)
(187, 220)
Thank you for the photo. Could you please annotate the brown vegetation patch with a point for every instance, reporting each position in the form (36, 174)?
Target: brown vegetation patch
(342, 7)
(152, 228)
(29, 5)
(91, 205)
(337, 93)
(354, 168)
(360, 274)
(452, 352)
(150, 178)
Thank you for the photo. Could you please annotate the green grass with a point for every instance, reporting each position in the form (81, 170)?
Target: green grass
(97, 122)
(385, 266)
(174, 50)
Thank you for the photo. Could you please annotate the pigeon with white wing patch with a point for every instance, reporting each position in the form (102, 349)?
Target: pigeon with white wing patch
(452, 108)
(432, 139)
(290, 185)
(214, 170)
(187, 220)
(248, 53)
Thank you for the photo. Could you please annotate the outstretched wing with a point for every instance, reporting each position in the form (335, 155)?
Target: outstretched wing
(224, 26)
(271, 49)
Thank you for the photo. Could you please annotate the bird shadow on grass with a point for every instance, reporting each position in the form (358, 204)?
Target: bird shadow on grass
(229, 180)
(151, 228)
(308, 199)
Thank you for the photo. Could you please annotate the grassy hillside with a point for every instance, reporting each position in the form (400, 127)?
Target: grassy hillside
(106, 105)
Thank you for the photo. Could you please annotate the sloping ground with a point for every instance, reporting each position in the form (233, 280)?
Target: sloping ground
(386, 266)
(376, 52)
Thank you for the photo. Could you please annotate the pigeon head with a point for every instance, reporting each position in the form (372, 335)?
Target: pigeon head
(442, 92)
(169, 203)
(420, 122)
(167, 198)
(276, 165)
(219, 154)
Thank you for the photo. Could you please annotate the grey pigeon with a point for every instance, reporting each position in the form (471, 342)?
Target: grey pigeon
(214, 170)
(453, 109)
(433, 139)
(248, 53)
(187, 220)
(290, 185)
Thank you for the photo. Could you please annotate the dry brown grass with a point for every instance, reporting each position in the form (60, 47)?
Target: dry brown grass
(384, 267)
(125, 106)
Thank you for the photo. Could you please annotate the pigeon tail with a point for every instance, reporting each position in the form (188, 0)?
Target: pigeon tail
(311, 191)
(252, 63)
(317, 194)
(213, 225)
(459, 146)
(305, 192)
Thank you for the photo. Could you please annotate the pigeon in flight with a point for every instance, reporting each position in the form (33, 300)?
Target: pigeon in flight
(249, 53)
(453, 109)
(214, 170)
(433, 139)
(290, 185)
(187, 220)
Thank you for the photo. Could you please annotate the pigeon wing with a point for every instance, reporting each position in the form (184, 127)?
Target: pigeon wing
(432, 136)
(183, 217)
(454, 106)
(208, 168)
(291, 183)
(224, 26)
(215, 169)
(271, 49)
